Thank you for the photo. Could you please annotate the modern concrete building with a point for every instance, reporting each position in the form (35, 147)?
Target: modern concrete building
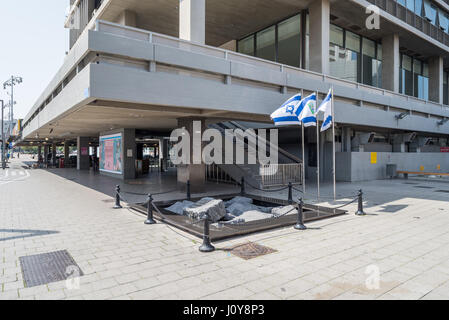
(141, 68)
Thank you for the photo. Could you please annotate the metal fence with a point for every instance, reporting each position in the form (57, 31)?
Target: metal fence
(281, 174)
(215, 174)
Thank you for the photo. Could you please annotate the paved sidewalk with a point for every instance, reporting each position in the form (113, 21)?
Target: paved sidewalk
(404, 239)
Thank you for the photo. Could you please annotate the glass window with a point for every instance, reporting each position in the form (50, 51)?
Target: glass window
(401, 2)
(343, 63)
(418, 7)
(430, 12)
(443, 20)
(406, 76)
(336, 35)
(369, 62)
(352, 41)
(379, 51)
(289, 41)
(410, 4)
(266, 44)
(306, 49)
(246, 46)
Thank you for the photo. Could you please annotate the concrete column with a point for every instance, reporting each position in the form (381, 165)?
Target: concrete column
(347, 139)
(39, 152)
(53, 154)
(192, 20)
(82, 160)
(129, 154)
(319, 12)
(66, 152)
(46, 151)
(128, 18)
(390, 62)
(194, 172)
(436, 71)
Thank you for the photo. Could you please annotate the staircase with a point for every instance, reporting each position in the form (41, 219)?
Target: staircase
(256, 174)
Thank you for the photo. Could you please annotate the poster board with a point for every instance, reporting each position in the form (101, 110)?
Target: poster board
(111, 153)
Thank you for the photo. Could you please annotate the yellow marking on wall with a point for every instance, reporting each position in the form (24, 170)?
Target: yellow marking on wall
(373, 157)
(421, 168)
(438, 167)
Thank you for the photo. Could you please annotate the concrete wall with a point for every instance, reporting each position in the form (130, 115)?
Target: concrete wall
(357, 166)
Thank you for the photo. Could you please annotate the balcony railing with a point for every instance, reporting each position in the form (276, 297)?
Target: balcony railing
(399, 11)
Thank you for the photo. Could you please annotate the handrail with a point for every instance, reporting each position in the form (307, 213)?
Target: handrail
(280, 150)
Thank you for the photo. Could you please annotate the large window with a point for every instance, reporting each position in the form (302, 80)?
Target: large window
(289, 41)
(414, 77)
(354, 58)
(371, 63)
(280, 42)
(266, 44)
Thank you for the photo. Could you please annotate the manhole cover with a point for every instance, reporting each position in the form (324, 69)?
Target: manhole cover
(48, 267)
(443, 191)
(250, 250)
(424, 187)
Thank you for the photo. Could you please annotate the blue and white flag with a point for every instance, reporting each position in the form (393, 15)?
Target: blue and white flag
(308, 111)
(288, 113)
(326, 107)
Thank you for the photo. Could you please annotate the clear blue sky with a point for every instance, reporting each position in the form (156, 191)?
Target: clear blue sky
(33, 43)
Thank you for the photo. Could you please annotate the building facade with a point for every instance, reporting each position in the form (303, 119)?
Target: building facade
(144, 67)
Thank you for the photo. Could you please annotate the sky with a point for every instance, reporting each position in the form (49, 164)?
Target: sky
(33, 43)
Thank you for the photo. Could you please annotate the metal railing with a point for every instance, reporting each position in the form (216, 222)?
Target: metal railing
(215, 174)
(281, 174)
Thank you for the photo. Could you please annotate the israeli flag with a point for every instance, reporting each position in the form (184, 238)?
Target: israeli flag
(288, 113)
(326, 107)
(308, 113)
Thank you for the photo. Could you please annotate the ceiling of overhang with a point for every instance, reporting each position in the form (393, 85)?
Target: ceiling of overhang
(101, 116)
(225, 20)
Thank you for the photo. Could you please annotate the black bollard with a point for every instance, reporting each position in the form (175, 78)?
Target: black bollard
(290, 193)
(189, 195)
(360, 211)
(206, 246)
(300, 222)
(117, 198)
(150, 219)
(242, 186)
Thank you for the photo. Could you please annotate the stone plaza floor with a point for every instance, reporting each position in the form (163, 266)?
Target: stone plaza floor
(399, 250)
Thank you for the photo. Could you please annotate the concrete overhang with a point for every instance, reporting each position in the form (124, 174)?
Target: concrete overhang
(225, 20)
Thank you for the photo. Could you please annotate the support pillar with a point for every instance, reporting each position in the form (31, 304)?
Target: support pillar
(436, 71)
(53, 154)
(192, 20)
(39, 152)
(390, 62)
(82, 159)
(319, 12)
(46, 151)
(399, 147)
(66, 152)
(195, 171)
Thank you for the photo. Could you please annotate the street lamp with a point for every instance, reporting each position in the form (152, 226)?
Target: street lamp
(11, 83)
(3, 140)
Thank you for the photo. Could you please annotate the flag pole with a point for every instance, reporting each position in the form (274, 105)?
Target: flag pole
(303, 154)
(333, 144)
(317, 147)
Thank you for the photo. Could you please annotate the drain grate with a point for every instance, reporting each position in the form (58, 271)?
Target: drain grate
(251, 250)
(424, 187)
(443, 191)
(48, 267)
(108, 200)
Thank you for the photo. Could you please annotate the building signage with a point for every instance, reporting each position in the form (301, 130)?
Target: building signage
(111, 155)
(444, 149)
(373, 157)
